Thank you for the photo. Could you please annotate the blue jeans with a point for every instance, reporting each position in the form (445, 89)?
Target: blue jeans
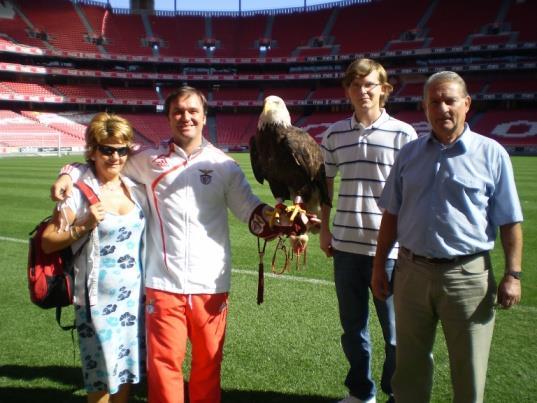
(352, 274)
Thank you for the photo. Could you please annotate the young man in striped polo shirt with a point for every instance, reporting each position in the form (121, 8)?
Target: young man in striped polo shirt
(362, 149)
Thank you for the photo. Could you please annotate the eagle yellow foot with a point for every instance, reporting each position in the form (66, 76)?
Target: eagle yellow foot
(275, 216)
(295, 210)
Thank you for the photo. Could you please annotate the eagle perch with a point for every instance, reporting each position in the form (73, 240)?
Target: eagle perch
(288, 158)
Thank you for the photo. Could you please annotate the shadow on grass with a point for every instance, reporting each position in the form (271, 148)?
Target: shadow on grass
(30, 395)
(71, 378)
(250, 396)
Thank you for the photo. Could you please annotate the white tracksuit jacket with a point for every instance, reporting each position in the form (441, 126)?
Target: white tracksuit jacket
(188, 246)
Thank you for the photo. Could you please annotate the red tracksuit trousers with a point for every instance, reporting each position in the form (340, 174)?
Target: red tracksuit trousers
(171, 320)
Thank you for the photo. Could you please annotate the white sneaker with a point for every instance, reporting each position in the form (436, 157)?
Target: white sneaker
(352, 399)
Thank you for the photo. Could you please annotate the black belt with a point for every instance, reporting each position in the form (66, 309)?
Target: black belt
(440, 260)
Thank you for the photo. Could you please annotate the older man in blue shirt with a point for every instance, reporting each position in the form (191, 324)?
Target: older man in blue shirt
(447, 194)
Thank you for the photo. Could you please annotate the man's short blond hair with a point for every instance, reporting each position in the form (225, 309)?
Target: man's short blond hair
(362, 68)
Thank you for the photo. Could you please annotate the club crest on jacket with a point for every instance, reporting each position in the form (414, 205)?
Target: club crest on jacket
(205, 176)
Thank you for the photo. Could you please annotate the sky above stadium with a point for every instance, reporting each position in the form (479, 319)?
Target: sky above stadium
(221, 5)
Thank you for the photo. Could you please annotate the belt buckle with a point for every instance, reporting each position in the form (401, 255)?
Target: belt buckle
(432, 260)
(441, 260)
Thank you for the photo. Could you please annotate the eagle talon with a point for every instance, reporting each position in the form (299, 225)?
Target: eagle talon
(275, 216)
(296, 209)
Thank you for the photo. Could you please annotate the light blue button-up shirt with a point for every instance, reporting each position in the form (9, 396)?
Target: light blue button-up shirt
(450, 200)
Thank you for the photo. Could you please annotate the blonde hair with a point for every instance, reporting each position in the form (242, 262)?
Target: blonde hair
(106, 126)
(362, 68)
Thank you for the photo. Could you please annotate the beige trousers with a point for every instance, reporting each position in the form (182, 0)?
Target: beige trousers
(461, 295)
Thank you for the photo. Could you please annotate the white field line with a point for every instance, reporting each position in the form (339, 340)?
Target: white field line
(288, 277)
(285, 277)
(4, 238)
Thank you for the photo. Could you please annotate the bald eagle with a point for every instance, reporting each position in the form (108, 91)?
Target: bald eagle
(288, 158)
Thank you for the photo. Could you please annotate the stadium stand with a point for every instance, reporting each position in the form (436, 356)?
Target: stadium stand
(16, 29)
(287, 94)
(329, 93)
(29, 88)
(81, 90)
(235, 129)
(153, 127)
(306, 51)
(238, 38)
(235, 94)
(317, 123)
(65, 31)
(94, 17)
(417, 119)
(447, 28)
(495, 39)
(521, 18)
(133, 93)
(169, 29)
(289, 32)
(514, 128)
(363, 28)
(406, 45)
(124, 34)
(74, 131)
(411, 90)
(70, 59)
(512, 85)
(17, 130)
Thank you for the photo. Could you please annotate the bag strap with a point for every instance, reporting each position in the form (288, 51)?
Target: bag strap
(59, 317)
(92, 199)
(71, 328)
(88, 192)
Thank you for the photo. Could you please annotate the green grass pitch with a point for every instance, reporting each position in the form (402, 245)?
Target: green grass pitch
(285, 350)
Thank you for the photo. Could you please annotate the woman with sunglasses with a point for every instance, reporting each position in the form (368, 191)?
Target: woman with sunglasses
(107, 239)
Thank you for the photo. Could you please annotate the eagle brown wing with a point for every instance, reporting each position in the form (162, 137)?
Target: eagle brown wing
(308, 156)
(290, 160)
(254, 161)
(305, 151)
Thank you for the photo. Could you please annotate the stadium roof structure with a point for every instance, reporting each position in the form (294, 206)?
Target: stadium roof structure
(226, 8)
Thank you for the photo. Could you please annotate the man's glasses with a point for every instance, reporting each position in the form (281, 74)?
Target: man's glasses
(109, 151)
(366, 86)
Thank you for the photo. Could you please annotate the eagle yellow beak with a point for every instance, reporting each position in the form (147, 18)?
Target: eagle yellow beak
(267, 107)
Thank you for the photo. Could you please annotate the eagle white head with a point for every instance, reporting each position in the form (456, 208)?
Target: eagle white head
(274, 112)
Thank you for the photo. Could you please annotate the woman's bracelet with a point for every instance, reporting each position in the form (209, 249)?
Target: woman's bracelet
(73, 231)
